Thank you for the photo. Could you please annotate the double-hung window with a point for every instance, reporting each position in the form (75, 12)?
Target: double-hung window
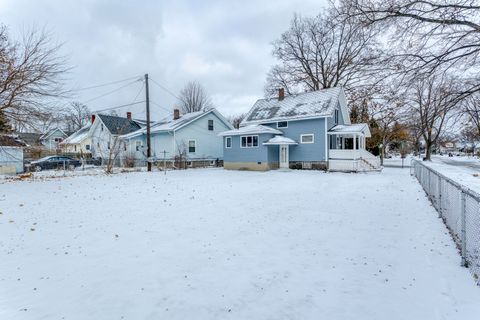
(336, 116)
(228, 142)
(138, 145)
(249, 141)
(210, 125)
(192, 145)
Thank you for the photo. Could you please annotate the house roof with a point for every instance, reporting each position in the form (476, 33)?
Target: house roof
(119, 125)
(361, 128)
(50, 132)
(251, 129)
(278, 140)
(78, 136)
(10, 140)
(168, 124)
(315, 104)
(30, 138)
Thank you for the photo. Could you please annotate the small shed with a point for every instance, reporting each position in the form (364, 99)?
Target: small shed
(11, 154)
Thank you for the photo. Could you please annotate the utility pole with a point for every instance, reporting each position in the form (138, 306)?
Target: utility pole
(147, 102)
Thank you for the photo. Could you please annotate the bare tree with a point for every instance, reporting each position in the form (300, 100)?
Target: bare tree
(235, 120)
(193, 97)
(427, 35)
(322, 52)
(77, 115)
(471, 108)
(433, 101)
(31, 75)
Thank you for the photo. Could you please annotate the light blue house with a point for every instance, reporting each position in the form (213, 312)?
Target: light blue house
(306, 131)
(193, 136)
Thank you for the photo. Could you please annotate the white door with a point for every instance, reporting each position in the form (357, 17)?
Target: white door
(284, 156)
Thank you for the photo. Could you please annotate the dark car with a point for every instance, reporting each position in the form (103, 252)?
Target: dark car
(55, 162)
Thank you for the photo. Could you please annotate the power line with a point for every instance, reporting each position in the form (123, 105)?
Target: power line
(165, 89)
(110, 92)
(106, 84)
(121, 106)
(160, 106)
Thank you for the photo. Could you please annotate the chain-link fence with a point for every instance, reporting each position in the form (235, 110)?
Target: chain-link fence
(459, 208)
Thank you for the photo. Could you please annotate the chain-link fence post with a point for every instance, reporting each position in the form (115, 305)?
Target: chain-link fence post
(463, 231)
(439, 196)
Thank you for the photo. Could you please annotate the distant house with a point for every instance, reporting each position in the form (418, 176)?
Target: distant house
(51, 140)
(305, 131)
(11, 154)
(194, 136)
(78, 142)
(105, 132)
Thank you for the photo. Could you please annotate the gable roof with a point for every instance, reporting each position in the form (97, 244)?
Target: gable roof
(168, 124)
(250, 129)
(119, 125)
(308, 105)
(78, 136)
(279, 140)
(50, 132)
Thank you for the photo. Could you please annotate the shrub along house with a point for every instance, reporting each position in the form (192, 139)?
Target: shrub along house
(306, 131)
(192, 137)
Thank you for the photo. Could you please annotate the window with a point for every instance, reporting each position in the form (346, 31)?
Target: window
(192, 145)
(307, 138)
(75, 147)
(228, 142)
(249, 142)
(101, 127)
(58, 139)
(336, 116)
(108, 145)
(138, 145)
(124, 146)
(282, 124)
(210, 125)
(87, 147)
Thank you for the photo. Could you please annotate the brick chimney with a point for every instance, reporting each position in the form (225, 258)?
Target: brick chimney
(176, 114)
(93, 118)
(281, 94)
(129, 115)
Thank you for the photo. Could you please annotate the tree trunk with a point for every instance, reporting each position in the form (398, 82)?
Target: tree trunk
(428, 150)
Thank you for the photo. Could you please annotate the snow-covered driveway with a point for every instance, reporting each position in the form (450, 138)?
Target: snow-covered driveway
(215, 244)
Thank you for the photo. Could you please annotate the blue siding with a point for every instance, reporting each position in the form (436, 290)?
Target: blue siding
(305, 152)
(238, 154)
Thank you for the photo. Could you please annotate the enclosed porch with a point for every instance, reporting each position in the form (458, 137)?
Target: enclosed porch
(347, 149)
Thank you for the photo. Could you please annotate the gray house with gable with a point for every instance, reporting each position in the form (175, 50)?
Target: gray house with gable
(309, 130)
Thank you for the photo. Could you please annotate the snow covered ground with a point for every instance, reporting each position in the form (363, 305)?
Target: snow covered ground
(215, 244)
(463, 170)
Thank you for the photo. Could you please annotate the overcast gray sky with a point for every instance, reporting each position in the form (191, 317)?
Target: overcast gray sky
(225, 45)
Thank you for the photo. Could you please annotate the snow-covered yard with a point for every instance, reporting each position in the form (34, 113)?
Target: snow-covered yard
(215, 244)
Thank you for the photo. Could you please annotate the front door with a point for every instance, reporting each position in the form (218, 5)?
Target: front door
(284, 156)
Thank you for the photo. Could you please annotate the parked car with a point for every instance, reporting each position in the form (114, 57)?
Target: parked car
(55, 162)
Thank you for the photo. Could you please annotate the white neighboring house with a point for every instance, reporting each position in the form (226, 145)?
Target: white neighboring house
(78, 142)
(52, 139)
(194, 135)
(105, 131)
(11, 154)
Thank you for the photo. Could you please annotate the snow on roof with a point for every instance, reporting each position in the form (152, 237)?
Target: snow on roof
(168, 124)
(78, 136)
(50, 132)
(352, 128)
(251, 129)
(277, 140)
(315, 104)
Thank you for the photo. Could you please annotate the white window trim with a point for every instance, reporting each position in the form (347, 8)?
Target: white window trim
(250, 135)
(307, 134)
(226, 145)
(282, 127)
(188, 146)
